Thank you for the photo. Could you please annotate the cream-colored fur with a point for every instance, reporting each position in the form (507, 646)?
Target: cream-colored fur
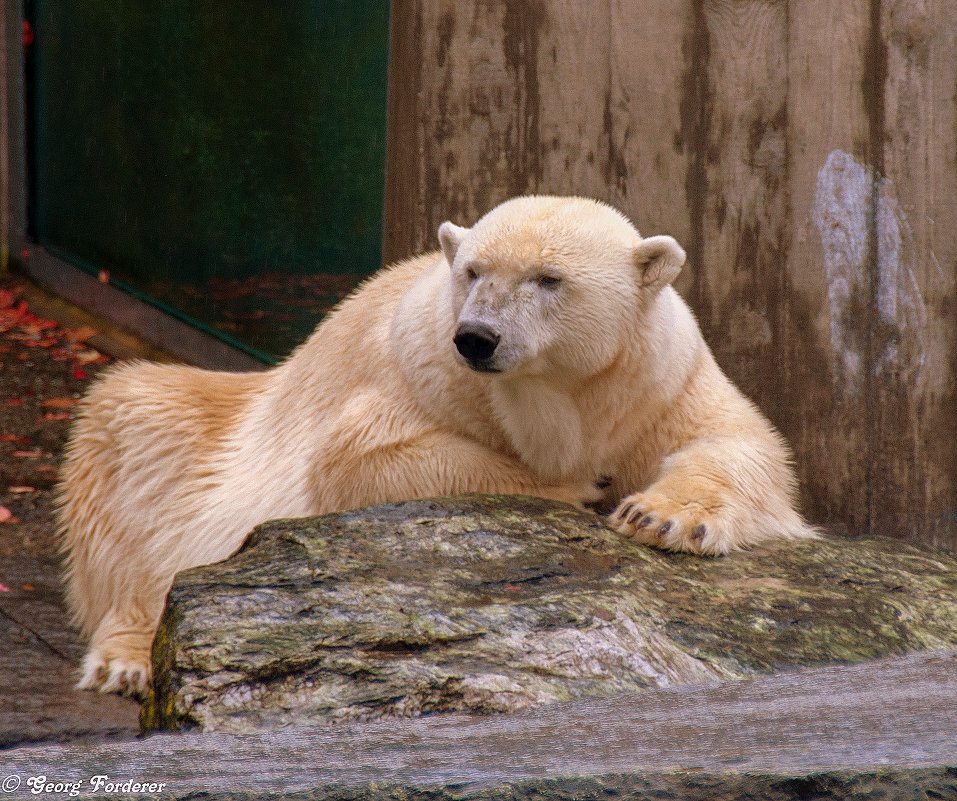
(600, 388)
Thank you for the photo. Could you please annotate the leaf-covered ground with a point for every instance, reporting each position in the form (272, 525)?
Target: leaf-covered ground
(44, 370)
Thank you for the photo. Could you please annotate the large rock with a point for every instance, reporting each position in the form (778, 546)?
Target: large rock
(494, 604)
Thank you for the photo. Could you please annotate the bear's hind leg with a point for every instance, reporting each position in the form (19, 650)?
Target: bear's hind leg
(119, 658)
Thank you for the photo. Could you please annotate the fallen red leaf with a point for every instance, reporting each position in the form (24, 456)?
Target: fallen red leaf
(104, 276)
(5, 514)
(28, 587)
(6, 298)
(82, 334)
(27, 454)
(21, 490)
(79, 374)
(59, 403)
(15, 402)
(4, 588)
(88, 356)
(12, 316)
(47, 468)
(30, 323)
(52, 417)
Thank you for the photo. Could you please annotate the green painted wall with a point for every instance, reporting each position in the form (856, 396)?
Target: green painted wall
(189, 148)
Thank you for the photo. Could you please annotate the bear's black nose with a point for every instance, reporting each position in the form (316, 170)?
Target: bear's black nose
(476, 342)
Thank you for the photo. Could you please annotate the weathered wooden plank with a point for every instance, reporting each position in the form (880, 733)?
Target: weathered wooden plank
(574, 74)
(403, 132)
(13, 203)
(914, 328)
(4, 138)
(491, 100)
(737, 188)
(824, 363)
(646, 153)
(480, 107)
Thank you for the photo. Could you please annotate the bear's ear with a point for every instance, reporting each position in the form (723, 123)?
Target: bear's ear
(450, 237)
(659, 260)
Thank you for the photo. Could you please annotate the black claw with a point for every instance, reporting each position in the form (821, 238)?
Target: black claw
(645, 521)
(634, 514)
(699, 532)
(665, 528)
(604, 482)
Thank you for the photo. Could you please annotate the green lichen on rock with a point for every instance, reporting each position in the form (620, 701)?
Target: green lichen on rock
(495, 604)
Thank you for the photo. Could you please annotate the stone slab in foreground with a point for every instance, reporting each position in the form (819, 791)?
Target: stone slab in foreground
(494, 604)
(885, 729)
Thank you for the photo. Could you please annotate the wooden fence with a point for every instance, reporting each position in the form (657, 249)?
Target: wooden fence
(802, 152)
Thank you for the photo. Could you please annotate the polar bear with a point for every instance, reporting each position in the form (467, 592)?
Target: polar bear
(542, 351)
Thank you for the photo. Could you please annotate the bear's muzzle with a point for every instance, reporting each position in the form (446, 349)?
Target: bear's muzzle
(477, 343)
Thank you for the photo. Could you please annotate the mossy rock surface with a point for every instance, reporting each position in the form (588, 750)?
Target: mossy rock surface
(497, 604)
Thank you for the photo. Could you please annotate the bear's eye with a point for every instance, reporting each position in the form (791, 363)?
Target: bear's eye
(548, 281)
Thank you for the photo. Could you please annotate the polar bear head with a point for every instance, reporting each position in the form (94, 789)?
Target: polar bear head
(544, 284)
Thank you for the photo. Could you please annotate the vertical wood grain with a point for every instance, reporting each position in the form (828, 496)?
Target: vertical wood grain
(914, 324)
(738, 175)
(494, 99)
(13, 200)
(574, 77)
(480, 107)
(403, 201)
(5, 143)
(646, 148)
(825, 325)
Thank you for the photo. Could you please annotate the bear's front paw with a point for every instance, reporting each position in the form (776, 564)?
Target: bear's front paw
(663, 522)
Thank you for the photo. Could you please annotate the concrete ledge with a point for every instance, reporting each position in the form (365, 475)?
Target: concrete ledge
(162, 330)
(885, 729)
